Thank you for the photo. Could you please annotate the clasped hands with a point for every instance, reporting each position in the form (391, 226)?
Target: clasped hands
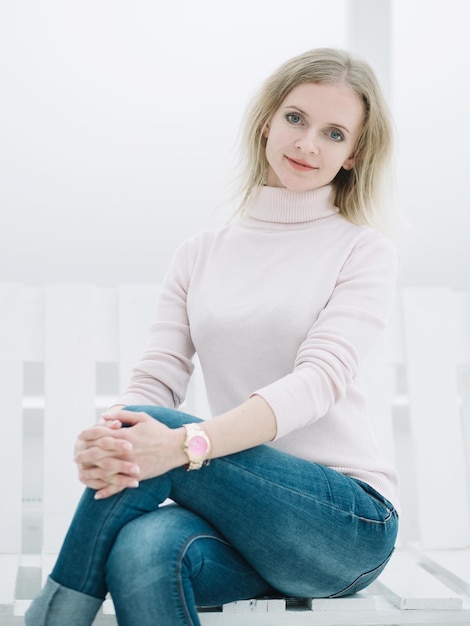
(111, 458)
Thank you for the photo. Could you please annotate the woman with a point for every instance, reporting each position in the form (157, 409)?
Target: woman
(282, 307)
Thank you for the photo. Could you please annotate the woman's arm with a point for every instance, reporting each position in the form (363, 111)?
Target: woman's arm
(111, 458)
(327, 362)
(247, 425)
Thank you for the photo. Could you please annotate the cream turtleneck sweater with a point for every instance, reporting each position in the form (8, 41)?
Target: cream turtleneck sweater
(284, 302)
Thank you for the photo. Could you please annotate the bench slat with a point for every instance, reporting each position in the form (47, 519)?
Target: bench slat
(11, 440)
(430, 326)
(452, 565)
(9, 565)
(107, 332)
(33, 316)
(71, 328)
(70, 387)
(378, 380)
(384, 614)
(136, 311)
(255, 606)
(409, 586)
(361, 601)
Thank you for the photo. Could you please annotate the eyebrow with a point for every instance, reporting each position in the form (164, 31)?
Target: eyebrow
(293, 106)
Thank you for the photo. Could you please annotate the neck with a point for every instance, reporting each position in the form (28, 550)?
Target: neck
(278, 205)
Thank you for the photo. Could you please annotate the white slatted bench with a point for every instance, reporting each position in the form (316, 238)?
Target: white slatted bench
(81, 341)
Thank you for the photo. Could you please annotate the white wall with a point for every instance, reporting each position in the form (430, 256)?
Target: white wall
(118, 122)
(431, 102)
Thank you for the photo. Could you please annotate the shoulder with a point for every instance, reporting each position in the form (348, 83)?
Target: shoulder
(375, 241)
(195, 249)
(366, 254)
(366, 239)
(200, 241)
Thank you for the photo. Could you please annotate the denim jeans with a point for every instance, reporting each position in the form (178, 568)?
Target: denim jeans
(259, 522)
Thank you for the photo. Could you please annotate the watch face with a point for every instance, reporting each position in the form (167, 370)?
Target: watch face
(197, 445)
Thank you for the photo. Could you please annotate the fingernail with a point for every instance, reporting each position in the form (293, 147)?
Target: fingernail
(135, 469)
(134, 484)
(127, 446)
(98, 496)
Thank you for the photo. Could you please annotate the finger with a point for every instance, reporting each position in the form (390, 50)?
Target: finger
(93, 484)
(110, 423)
(111, 466)
(109, 490)
(114, 443)
(96, 455)
(78, 447)
(116, 480)
(107, 468)
(94, 432)
(127, 417)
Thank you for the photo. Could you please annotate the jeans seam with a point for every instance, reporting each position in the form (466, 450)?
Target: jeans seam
(307, 496)
(190, 542)
(105, 521)
(354, 587)
(187, 544)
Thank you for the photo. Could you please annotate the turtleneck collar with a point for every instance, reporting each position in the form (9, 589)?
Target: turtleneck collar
(278, 205)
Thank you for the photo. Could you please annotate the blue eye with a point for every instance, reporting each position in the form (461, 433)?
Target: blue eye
(335, 135)
(293, 118)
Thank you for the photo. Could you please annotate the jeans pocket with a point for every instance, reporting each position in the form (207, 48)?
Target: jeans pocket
(384, 509)
(363, 581)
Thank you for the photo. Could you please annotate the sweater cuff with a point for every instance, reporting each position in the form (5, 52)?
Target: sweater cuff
(280, 407)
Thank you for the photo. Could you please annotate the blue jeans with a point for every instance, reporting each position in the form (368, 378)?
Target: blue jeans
(259, 522)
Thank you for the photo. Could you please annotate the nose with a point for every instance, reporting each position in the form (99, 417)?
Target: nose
(307, 143)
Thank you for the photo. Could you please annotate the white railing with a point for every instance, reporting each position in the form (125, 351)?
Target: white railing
(67, 350)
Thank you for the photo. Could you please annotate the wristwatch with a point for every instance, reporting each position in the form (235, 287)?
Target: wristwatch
(197, 446)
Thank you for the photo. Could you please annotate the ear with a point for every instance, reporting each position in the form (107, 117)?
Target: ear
(265, 132)
(349, 163)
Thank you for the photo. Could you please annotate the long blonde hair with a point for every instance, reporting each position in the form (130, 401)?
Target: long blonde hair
(356, 192)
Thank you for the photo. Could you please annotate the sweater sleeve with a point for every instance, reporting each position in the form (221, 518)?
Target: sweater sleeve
(161, 376)
(338, 342)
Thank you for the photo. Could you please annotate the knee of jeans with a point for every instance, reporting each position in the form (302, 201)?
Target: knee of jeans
(132, 545)
(125, 552)
(151, 547)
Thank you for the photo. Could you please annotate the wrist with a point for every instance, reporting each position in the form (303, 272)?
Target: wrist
(197, 446)
(179, 436)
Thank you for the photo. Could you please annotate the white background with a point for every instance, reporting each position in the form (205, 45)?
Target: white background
(118, 122)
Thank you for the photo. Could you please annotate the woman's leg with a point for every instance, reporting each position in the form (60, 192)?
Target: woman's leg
(76, 588)
(57, 605)
(166, 563)
(306, 529)
(325, 529)
(332, 534)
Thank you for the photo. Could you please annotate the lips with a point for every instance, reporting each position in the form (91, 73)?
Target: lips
(301, 166)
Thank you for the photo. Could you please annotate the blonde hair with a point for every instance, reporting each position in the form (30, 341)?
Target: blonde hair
(356, 192)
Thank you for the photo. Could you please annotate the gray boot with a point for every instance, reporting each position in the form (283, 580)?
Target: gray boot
(56, 605)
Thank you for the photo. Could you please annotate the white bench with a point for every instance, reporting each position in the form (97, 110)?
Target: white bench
(82, 341)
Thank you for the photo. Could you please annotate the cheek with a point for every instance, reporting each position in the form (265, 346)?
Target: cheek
(270, 145)
(277, 144)
(271, 161)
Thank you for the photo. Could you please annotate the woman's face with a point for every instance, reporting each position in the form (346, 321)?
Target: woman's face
(313, 135)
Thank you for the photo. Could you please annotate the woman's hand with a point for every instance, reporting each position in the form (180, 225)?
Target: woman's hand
(102, 457)
(111, 458)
